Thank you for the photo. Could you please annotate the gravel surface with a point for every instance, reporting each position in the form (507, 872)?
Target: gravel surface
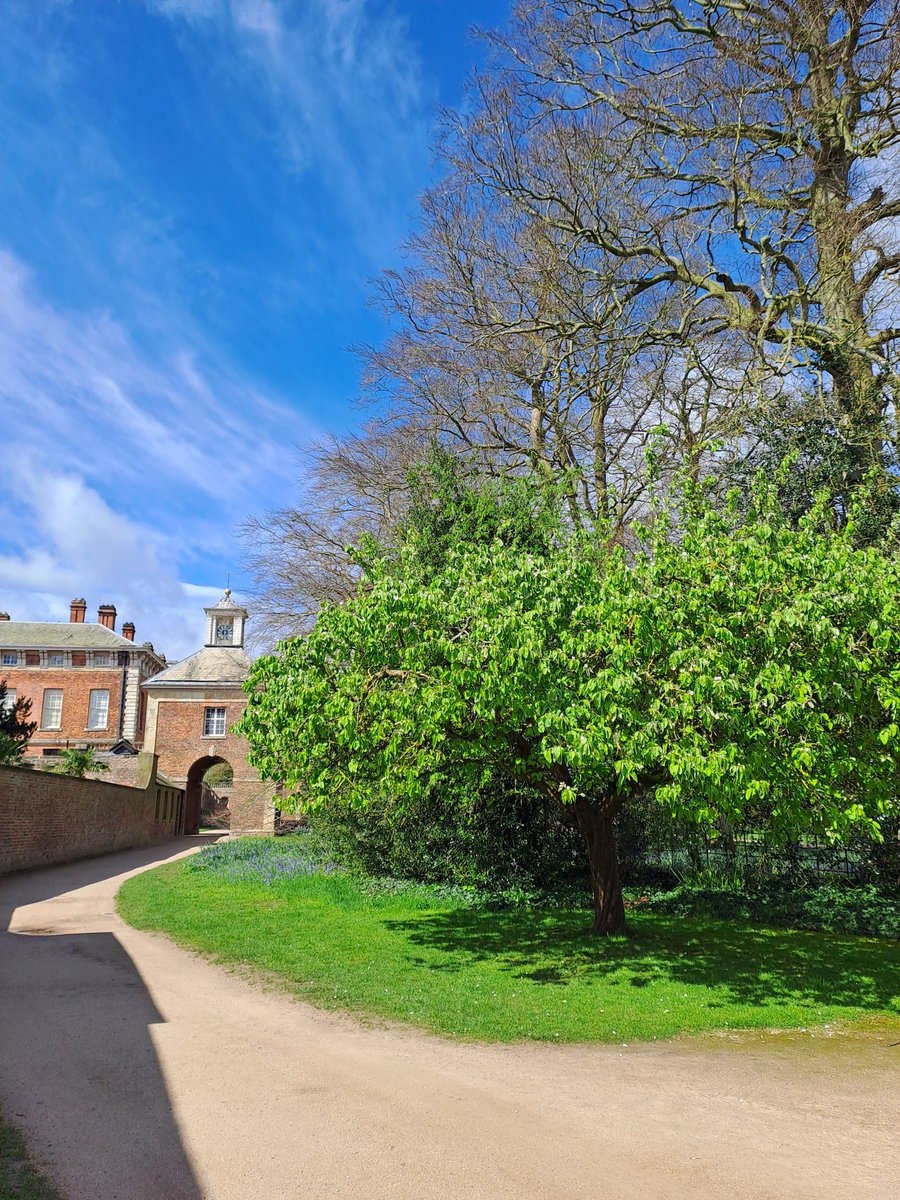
(139, 1071)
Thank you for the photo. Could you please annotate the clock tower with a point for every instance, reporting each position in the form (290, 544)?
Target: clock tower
(225, 623)
(192, 709)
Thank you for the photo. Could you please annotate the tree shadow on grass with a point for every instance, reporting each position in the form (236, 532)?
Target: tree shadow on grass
(749, 965)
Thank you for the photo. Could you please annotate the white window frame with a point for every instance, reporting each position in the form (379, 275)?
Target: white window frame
(102, 658)
(56, 654)
(44, 712)
(9, 700)
(213, 717)
(92, 722)
(10, 658)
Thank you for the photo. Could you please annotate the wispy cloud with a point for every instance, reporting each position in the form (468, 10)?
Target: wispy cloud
(175, 273)
(81, 389)
(348, 104)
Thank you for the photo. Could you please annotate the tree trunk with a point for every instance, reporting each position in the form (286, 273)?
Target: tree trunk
(595, 822)
(856, 388)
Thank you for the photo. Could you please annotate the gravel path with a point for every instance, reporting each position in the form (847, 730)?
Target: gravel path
(141, 1072)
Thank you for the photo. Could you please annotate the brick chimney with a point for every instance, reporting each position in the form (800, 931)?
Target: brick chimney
(4, 616)
(77, 612)
(106, 615)
(128, 631)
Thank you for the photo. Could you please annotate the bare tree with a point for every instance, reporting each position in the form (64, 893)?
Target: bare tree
(652, 216)
(753, 148)
(349, 487)
(515, 346)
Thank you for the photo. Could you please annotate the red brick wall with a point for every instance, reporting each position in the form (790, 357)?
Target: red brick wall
(47, 818)
(180, 745)
(180, 741)
(76, 684)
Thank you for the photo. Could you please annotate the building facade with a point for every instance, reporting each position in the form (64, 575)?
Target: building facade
(191, 707)
(83, 679)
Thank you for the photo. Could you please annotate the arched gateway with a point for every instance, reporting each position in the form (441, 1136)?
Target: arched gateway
(191, 708)
(197, 777)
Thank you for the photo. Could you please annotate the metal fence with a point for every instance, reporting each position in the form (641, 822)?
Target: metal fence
(746, 852)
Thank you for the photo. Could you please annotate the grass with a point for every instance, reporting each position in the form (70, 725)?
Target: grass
(19, 1178)
(427, 957)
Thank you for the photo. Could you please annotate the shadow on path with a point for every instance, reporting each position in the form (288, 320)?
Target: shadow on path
(78, 1068)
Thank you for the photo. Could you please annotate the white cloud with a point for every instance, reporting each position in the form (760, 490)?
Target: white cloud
(131, 445)
(125, 468)
(81, 547)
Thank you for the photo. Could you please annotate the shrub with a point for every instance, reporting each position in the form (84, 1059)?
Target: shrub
(503, 839)
(79, 763)
(836, 907)
(882, 858)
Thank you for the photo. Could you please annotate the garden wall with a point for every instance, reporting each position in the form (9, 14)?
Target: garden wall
(46, 818)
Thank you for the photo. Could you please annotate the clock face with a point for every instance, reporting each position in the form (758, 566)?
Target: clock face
(224, 630)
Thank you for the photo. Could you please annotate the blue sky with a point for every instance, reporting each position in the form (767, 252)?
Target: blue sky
(194, 194)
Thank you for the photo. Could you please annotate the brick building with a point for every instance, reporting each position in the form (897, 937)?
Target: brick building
(83, 679)
(191, 707)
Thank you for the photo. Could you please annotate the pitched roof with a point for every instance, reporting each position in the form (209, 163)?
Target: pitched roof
(75, 635)
(227, 604)
(214, 664)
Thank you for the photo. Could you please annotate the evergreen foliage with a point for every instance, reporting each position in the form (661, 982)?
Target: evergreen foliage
(15, 727)
(451, 509)
(504, 839)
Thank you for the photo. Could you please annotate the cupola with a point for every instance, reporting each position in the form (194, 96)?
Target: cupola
(225, 623)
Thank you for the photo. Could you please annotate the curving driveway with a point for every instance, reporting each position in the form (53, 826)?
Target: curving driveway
(142, 1072)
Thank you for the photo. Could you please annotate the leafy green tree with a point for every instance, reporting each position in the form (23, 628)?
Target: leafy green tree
(79, 763)
(15, 727)
(739, 664)
(499, 834)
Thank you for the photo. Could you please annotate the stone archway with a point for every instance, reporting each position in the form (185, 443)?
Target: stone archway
(193, 790)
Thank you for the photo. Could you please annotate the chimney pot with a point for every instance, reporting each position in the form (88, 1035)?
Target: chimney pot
(106, 615)
(128, 630)
(77, 612)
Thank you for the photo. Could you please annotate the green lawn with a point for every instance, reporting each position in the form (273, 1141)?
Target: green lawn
(416, 957)
(19, 1179)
